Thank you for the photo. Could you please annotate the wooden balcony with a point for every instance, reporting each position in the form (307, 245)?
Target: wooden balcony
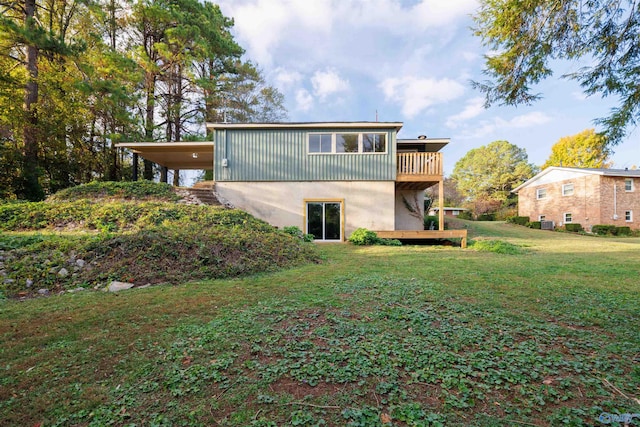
(418, 171)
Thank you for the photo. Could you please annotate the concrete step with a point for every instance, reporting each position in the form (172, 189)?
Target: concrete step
(205, 195)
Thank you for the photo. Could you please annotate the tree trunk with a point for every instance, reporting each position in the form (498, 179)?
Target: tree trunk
(150, 82)
(30, 167)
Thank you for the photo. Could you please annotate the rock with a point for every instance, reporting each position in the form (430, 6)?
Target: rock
(53, 270)
(43, 291)
(29, 283)
(8, 281)
(63, 272)
(116, 286)
(80, 263)
(78, 289)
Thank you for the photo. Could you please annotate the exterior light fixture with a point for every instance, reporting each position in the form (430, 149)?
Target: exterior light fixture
(194, 155)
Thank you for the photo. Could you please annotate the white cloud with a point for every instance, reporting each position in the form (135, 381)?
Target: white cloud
(416, 94)
(328, 82)
(304, 100)
(528, 120)
(285, 79)
(474, 108)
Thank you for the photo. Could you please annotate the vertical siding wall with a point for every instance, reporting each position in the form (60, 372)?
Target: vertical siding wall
(281, 155)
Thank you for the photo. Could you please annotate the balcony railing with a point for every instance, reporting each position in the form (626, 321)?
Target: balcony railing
(426, 165)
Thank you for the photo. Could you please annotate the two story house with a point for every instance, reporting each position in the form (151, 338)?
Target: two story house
(326, 178)
(581, 195)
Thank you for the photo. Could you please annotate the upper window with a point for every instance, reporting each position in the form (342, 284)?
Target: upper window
(347, 143)
(320, 143)
(628, 184)
(541, 193)
(568, 218)
(567, 190)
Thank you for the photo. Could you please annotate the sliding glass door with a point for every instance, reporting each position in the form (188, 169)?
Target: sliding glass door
(324, 220)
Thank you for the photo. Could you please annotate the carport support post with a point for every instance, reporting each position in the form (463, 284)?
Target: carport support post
(163, 174)
(135, 167)
(441, 205)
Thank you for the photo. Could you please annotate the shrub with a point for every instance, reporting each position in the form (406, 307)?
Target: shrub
(573, 227)
(623, 231)
(537, 225)
(520, 220)
(604, 229)
(430, 220)
(296, 232)
(364, 237)
(466, 215)
(487, 217)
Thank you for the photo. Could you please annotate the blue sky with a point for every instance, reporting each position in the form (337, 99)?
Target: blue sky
(409, 61)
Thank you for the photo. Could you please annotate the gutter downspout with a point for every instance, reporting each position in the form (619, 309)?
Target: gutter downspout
(615, 201)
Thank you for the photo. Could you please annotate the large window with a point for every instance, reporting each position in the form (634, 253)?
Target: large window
(628, 184)
(354, 142)
(567, 190)
(324, 220)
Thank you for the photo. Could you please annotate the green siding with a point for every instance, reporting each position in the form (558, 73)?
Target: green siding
(281, 155)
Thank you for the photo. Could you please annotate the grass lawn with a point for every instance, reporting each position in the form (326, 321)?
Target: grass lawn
(547, 334)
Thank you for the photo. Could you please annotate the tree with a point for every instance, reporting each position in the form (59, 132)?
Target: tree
(492, 171)
(528, 35)
(452, 196)
(586, 149)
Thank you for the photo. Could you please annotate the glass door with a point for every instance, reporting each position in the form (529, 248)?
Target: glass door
(324, 220)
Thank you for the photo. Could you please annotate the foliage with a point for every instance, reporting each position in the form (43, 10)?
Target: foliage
(452, 196)
(528, 36)
(623, 231)
(138, 190)
(586, 149)
(468, 215)
(520, 220)
(364, 237)
(490, 172)
(536, 225)
(431, 222)
(497, 246)
(486, 217)
(407, 336)
(296, 232)
(611, 230)
(573, 227)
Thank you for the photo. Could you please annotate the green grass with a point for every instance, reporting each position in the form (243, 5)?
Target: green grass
(545, 334)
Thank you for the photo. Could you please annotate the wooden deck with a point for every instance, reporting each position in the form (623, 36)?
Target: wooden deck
(426, 234)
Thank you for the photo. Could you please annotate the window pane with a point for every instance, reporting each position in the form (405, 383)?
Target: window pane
(374, 143)
(325, 143)
(346, 143)
(567, 190)
(314, 220)
(332, 221)
(628, 184)
(320, 143)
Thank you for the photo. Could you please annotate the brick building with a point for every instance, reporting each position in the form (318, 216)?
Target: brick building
(585, 196)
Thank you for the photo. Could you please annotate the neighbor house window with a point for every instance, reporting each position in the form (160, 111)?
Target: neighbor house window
(541, 193)
(567, 218)
(337, 143)
(567, 190)
(628, 184)
(320, 143)
(628, 216)
(541, 217)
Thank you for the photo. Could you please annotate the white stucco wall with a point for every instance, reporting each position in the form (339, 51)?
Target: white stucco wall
(406, 220)
(368, 204)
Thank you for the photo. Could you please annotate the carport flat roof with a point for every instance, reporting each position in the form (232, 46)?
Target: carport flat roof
(174, 155)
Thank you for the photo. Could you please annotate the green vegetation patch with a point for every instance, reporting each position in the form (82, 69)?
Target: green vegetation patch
(125, 190)
(497, 246)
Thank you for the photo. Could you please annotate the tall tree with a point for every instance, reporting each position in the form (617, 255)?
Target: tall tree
(586, 149)
(528, 35)
(492, 171)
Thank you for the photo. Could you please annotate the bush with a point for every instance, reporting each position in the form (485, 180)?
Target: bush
(604, 229)
(429, 220)
(537, 225)
(624, 231)
(465, 215)
(296, 232)
(364, 237)
(519, 220)
(573, 227)
(487, 217)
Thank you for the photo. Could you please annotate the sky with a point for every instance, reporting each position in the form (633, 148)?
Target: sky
(405, 61)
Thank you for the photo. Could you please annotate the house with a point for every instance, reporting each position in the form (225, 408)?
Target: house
(328, 178)
(448, 211)
(581, 195)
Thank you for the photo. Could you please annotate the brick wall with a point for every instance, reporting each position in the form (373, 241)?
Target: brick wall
(592, 201)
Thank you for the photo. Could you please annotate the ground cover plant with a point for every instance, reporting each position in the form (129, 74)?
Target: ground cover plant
(93, 234)
(375, 335)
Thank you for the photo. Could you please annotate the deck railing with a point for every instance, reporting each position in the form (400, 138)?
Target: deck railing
(420, 164)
